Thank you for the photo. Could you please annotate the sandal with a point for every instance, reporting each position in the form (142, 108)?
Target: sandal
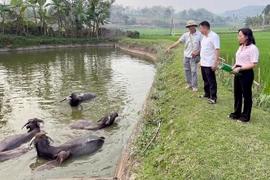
(239, 121)
(212, 101)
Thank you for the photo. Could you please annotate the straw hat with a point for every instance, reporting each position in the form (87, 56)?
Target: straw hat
(191, 23)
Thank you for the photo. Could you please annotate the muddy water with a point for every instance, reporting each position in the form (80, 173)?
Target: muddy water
(33, 82)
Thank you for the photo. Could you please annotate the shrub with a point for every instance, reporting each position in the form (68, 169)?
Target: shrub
(133, 34)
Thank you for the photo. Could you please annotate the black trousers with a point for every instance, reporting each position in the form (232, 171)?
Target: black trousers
(243, 89)
(210, 83)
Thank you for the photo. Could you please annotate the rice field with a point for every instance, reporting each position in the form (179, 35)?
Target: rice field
(229, 46)
(166, 31)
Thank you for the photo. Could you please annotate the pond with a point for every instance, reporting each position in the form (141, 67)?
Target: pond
(32, 84)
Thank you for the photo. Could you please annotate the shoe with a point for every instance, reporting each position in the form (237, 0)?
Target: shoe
(195, 89)
(243, 120)
(212, 101)
(233, 116)
(188, 87)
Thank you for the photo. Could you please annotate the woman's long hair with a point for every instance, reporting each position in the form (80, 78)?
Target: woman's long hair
(249, 34)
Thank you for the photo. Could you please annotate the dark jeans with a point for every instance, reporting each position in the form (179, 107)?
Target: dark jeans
(210, 83)
(243, 89)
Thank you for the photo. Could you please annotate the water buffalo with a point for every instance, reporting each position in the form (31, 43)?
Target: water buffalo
(76, 99)
(79, 146)
(14, 141)
(5, 155)
(102, 123)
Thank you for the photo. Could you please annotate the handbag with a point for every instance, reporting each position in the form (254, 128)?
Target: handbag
(196, 58)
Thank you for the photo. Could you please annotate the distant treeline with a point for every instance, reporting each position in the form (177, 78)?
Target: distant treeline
(160, 16)
(261, 20)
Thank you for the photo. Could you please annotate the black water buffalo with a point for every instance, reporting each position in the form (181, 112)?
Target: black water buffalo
(76, 99)
(14, 141)
(79, 146)
(102, 123)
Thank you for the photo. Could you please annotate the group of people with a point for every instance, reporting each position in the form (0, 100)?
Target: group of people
(203, 49)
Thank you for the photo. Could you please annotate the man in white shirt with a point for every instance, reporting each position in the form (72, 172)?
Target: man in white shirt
(192, 40)
(210, 50)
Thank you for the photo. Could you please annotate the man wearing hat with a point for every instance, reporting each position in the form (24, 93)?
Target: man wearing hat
(192, 41)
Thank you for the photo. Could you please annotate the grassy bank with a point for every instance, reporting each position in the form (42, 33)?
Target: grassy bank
(196, 140)
(9, 41)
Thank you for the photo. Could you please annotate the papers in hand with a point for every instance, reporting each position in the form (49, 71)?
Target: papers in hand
(228, 69)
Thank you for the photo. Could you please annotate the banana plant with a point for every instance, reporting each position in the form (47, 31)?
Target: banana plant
(33, 4)
(59, 7)
(4, 9)
(19, 7)
(98, 13)
(80, 14)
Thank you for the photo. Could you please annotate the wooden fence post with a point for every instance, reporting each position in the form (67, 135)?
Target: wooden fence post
(259, 78)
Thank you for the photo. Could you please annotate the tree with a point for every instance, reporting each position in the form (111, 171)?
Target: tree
(33, 5)
(168, 14)
(18, 7)
(117, 13)
(42, 12)
(59, 7)
(184, 15)
(76, 14)
(126, 18)
(266, 15)
(80, 14)
(3, 10)
(146, 12)
(266, 10)
(98, 12)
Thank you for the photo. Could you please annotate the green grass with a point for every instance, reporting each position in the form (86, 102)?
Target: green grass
(155, 31)
(166, 31)
(197, 140)
(170, 38)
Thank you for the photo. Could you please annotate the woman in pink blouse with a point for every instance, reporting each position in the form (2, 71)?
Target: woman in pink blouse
(247, 57)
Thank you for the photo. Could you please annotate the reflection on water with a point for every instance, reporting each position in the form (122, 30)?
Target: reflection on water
(32, 85)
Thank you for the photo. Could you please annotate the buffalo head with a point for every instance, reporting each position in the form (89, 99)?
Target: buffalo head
(41, 139)
(33, 123)
(108, 120)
